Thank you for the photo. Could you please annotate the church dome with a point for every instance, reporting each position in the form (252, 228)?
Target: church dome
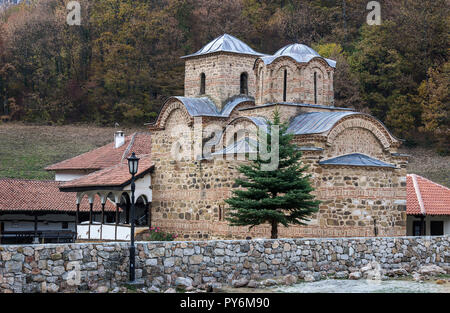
(299, 52)
(296, 48)
(225, 43)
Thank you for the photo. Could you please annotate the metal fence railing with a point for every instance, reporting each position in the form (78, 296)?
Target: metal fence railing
(9, 237)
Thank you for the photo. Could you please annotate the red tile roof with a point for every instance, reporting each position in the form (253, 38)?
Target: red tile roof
(114, 176)
(39, 195)
(426, 197)
(107, 155)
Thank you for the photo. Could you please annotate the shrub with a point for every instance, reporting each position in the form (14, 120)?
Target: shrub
(156, 234)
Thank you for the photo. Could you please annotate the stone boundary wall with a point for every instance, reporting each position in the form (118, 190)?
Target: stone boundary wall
(85, 266)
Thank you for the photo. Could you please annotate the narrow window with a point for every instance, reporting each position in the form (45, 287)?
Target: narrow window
(244, 84)
(235, 138)
(202, 83)
(261, 77)
(284, 85)
(315, 88)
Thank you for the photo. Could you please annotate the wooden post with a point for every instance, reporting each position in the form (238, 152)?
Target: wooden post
(77, 220)
(117, 220)
(91, 207)
(422, 225)
(127, 214)
(103, 220)
(35, 225)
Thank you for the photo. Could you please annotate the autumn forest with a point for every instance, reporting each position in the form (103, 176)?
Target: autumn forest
(123, 61)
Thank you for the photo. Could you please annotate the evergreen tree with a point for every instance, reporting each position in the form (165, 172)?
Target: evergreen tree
(280, 196)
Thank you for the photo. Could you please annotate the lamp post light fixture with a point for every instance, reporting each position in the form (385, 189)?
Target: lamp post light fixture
(133, 163)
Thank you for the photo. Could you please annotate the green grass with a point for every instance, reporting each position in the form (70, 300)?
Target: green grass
(25, 150)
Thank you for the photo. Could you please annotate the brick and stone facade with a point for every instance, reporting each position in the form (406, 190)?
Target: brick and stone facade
(222, 75)
(299, 81)
(189, 192)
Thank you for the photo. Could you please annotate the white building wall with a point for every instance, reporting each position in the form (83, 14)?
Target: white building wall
(69, 175)
(143, 187)
(103, 232)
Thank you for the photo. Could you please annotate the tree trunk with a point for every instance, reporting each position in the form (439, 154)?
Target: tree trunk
(274, 234)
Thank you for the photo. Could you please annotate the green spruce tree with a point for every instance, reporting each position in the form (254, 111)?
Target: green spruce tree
(280, 196)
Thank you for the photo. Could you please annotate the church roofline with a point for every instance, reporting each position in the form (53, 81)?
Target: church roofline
(204, 106)
(225, 43)
(297, 58)
(356, 159)
(298, 105)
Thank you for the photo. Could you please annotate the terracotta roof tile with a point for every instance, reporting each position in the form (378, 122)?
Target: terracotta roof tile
(435, 197)
(114, 176)
(107, 155)
(39, 195)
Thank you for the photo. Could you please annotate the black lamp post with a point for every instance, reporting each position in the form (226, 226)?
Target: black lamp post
(133, 163)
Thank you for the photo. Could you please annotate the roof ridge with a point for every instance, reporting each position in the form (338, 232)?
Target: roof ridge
(439, 185)
(130, 145)
(418, 194)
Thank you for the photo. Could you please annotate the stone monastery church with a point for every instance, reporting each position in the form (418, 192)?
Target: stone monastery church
(356, 170)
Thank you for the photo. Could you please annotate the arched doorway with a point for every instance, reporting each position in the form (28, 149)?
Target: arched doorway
(125, 205)
(142, 211)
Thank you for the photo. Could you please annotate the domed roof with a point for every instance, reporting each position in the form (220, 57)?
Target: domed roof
(296, 48)
(225, 43)
(299, 52)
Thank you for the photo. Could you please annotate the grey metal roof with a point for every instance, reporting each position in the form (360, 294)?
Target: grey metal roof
(296, 48)
(226, 43)
(199, 106)
(356, 159)
(299, 52)
(246, 145)
(259, 121)
(315, 122)
(230, 105)
(307, 105)
(205, 107)
(308, 148)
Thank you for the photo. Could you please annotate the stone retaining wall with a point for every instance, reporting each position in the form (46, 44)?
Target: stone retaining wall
(78, 267)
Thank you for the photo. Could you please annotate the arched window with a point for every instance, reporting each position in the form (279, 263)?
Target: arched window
(202, 83)
(284, 85)
(315, 88)
(244, 84)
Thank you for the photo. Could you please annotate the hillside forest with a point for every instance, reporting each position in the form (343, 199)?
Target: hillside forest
(123, 61)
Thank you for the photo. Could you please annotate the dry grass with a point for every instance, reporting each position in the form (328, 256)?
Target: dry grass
(25, 150)
(427, 163)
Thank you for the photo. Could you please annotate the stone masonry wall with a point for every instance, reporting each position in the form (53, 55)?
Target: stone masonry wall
(83, 267)
(223, 76)
(299, 84)
(188, 195)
